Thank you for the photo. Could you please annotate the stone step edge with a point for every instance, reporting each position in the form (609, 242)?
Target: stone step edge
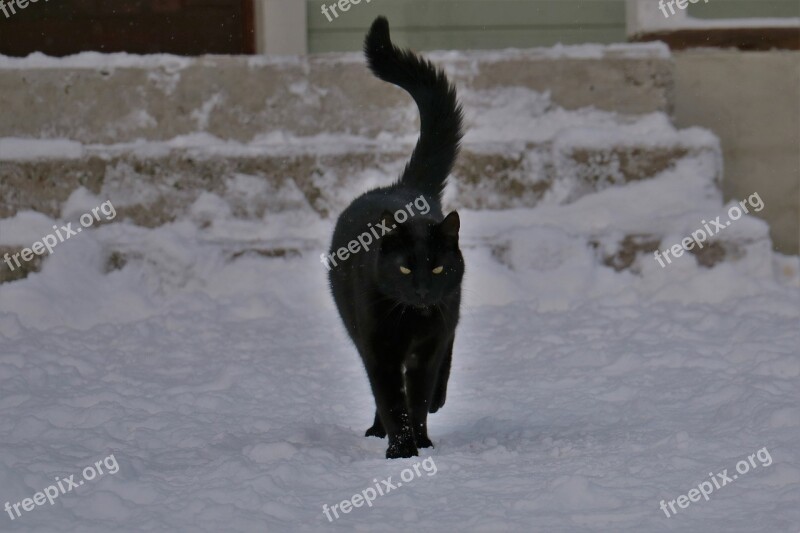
(480, 180)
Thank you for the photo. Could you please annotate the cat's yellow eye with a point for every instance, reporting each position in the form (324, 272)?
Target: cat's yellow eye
(405, 270)
(438, 270)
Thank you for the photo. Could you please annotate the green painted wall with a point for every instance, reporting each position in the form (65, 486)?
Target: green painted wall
(471, 24)
(488, 24)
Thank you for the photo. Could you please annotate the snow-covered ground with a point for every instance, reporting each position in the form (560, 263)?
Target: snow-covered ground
(225, 388)
(232, 400)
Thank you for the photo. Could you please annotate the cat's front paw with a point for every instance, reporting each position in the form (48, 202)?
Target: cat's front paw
(403, 448)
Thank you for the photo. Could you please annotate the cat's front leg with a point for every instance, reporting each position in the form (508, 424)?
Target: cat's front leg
(422, 378)
(402, 443)
(418, 387)
(386, 378)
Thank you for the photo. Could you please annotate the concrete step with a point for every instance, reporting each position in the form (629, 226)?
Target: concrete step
(93, 98)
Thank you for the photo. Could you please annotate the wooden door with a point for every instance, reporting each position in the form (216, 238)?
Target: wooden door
(183, 27)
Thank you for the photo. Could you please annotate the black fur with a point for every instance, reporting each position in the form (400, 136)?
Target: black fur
(403, 325)
(439, 111)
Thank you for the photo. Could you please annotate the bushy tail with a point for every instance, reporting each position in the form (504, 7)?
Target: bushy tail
(440, 113)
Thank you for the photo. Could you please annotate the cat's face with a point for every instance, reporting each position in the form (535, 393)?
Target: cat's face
(419, 263)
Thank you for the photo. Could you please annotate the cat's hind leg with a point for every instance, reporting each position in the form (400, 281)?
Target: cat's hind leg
(377, 429)
(440, 390)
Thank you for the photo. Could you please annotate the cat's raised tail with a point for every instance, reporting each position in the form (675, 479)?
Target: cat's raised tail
(440, 113)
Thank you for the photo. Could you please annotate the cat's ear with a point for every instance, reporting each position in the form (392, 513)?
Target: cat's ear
(450, 225)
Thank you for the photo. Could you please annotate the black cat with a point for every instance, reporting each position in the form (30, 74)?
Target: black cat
(399, 298)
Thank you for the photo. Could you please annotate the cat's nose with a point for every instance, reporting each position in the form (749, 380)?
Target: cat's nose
(422, 293)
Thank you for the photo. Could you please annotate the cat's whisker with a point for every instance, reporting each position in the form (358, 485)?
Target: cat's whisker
(395, 306)
(444, 318)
